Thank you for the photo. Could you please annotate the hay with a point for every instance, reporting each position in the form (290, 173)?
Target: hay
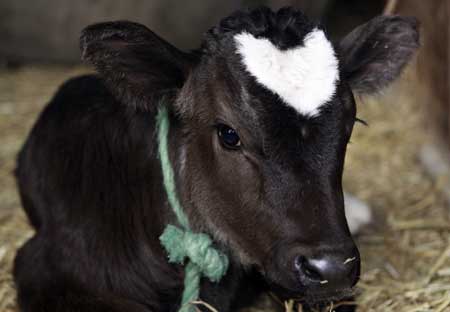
(13, 232)
(405, 253)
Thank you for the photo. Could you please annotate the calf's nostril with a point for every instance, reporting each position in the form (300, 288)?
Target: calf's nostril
(329, 271)
(306, 268)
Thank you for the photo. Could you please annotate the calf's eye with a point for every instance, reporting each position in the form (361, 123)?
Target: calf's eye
(228, 137)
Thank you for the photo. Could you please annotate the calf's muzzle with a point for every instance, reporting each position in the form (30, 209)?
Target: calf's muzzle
(321, 272)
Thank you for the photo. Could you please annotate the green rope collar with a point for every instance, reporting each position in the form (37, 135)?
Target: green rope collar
(180, 242)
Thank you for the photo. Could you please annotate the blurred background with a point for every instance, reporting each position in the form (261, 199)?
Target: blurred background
(399, 164)
(48, 30)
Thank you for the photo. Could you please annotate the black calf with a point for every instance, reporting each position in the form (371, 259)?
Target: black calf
(260, 118)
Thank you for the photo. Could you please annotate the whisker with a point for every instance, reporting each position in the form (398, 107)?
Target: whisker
(362, 121)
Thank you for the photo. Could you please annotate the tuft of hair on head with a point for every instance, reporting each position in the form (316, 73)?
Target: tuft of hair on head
(285, 28)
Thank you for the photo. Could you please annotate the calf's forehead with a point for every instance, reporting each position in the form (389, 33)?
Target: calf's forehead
(304, 76)
(274, 77)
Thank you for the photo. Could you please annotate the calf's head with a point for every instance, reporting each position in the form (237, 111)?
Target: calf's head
(261, 116)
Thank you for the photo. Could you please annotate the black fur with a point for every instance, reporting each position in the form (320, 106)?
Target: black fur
(285, 28)
(90, 181)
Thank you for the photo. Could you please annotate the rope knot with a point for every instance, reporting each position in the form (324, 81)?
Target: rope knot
(197, 247)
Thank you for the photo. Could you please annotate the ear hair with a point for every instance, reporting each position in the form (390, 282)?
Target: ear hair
(136, 64)
(374, 54)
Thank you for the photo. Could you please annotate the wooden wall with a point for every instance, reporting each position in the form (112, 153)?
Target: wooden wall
(48, 30)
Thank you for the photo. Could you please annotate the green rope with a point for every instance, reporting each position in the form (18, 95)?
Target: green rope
(182, 243)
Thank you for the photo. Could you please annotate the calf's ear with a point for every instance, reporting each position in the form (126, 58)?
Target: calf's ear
(374, 54)
(136, 65)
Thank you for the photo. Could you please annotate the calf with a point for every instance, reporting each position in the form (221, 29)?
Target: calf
(259, 117)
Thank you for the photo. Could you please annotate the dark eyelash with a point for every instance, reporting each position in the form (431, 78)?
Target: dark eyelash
(362, 121)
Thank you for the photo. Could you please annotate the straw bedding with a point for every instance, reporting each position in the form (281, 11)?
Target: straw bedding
(406, 252)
